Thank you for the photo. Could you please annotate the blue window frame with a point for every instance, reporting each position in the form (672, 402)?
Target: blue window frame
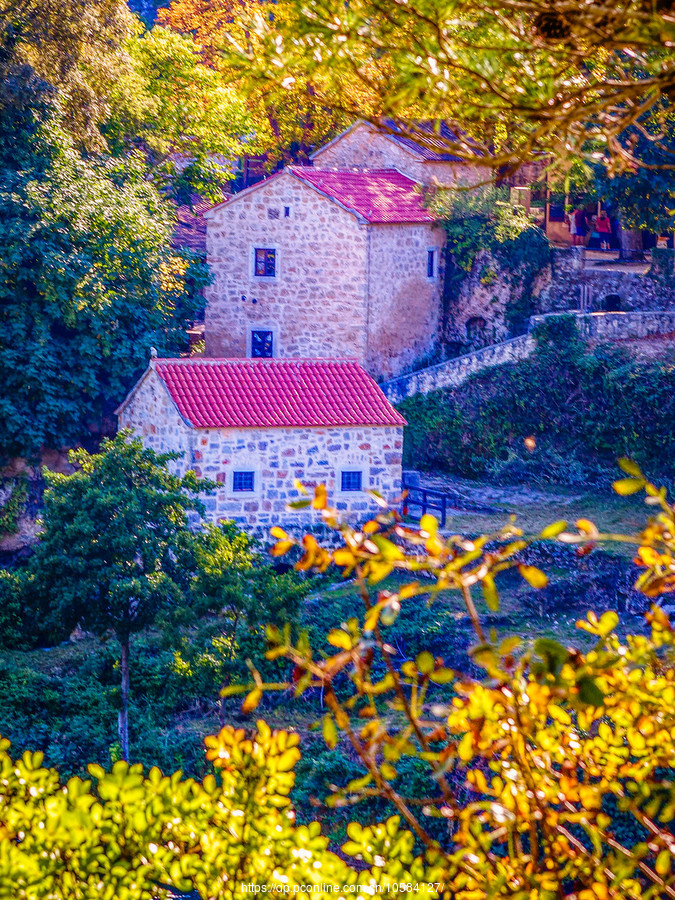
(265, 262)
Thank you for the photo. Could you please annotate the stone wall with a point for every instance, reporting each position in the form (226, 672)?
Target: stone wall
(404, 306)
(316, 303)
(618, 326)
(595, 327)
(454, 371)
(364, 147)
(577, 284)
(277, 456)
(152, 415)
(477, 316)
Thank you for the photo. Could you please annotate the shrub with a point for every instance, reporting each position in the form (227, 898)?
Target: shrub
(552, 772)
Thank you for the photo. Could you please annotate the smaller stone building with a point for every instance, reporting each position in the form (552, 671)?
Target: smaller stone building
(256, 426)
(425, 158)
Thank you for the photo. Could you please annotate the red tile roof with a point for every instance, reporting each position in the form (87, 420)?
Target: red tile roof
(378, 195)
(275, 393)
(190, 230)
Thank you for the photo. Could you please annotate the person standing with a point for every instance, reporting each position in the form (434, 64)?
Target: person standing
(580, 226)
(604, 228)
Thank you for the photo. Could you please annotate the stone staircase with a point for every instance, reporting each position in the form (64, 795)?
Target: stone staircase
(598, 326)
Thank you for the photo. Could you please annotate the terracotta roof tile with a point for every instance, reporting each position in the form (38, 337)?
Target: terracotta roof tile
(378, 195)
(275, 393)
(190, 230)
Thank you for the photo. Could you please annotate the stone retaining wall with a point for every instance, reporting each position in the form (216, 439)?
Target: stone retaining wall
(454, 371)
(599, 326)
(618, 326)
(576, 283)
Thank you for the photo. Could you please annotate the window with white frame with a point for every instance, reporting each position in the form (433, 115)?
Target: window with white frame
(262, 343)
(431, 263)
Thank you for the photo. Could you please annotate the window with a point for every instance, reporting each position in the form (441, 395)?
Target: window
(287, 211)
(243, 482)
(431, 263)
(265, 262)
(262, 344)
(351, 481)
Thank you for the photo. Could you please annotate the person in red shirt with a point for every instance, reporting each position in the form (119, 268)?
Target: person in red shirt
(604, 228)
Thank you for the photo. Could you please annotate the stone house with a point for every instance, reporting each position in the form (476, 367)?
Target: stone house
(321, 263)
(363, 146)
(255, 426)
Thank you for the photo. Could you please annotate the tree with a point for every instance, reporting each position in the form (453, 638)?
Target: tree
(113, 546)
(644, 195)
(517, 78)
(126, 835)
(77, 47)
(89, 281)
(551, 775)
(234, 578)
(121, 87)
(175, 108)
(288, 120)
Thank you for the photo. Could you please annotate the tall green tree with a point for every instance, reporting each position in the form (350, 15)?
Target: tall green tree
(644, 195)
(112, 553)
(76, 46)
(516, 76)
(89, 281)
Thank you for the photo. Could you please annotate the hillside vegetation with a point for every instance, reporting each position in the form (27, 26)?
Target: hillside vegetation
(563, 415)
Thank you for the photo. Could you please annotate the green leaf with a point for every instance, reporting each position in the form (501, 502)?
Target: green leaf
(554, 529)
(554, 654)
(329, 730)
(589, 692)
(629, 467)
(425, 662)
(608, 622)
(490, 593)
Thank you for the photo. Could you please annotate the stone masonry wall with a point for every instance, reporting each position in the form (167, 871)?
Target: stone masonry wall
(278, 456)
(619, 326)
(365, 148)
(576, 284)
(153, 416)
(405, 307)
(454, 371)
(316, 303)
(595, 327)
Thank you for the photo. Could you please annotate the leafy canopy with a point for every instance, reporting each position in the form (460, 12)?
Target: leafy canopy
(517, 77)
(115, 537)
(89, 282)
(123, 835)
(289, 119)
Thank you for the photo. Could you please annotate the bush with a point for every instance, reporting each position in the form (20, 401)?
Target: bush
(548, 776)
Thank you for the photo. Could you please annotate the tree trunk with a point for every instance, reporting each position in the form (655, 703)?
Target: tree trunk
(631, 243)
(123, 722)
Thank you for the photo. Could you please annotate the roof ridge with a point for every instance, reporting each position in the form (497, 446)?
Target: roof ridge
(242, 360)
